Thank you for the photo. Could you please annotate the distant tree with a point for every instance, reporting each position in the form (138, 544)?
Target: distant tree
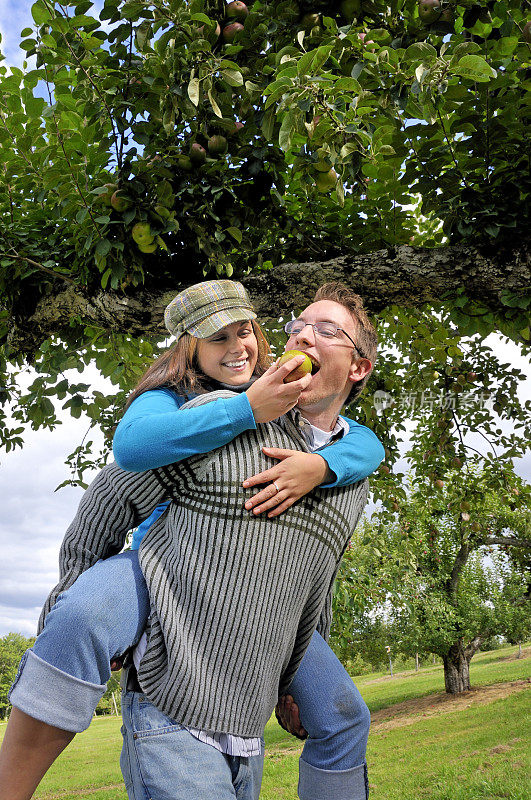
(12, 648)
(439, 574)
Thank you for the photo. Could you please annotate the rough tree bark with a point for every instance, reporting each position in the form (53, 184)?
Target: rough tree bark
(407, 276)
(457, 665)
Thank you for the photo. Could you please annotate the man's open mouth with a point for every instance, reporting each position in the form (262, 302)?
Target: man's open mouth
(315, 367)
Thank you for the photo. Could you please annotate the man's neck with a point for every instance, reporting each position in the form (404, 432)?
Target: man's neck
(324, 420)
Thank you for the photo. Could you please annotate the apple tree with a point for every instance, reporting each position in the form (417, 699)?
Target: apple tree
(445, 575)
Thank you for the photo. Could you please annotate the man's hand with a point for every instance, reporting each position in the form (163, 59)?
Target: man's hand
(287, 714)
(270, 397)
(296, 475)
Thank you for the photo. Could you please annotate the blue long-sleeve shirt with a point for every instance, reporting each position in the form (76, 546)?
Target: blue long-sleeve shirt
(154, 432)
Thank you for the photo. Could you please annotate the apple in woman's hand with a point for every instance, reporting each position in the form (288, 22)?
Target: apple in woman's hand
(302, 370)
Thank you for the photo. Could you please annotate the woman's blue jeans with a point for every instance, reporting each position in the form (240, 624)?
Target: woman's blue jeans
(105, 611)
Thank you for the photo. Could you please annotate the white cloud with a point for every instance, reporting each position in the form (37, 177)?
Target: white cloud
(15, 15)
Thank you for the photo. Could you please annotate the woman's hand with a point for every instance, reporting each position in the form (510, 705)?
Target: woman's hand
(296, 475)
(270, 397)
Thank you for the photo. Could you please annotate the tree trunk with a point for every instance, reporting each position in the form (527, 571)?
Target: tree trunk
(416, 662)
(456, 670)
(457, 665)
(519, 649)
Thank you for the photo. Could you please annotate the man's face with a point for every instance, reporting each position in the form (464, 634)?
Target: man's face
(339, 363)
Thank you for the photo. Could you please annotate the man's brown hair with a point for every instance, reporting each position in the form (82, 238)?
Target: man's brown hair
(366, 337)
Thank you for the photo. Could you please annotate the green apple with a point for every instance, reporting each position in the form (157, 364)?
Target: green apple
(217, 145)
(326, 181)
(141, 233)
(185, 163)
(429, 11)
(197, 154)
(322, 165)
(119, 202)
(105, 197)
(302, 370)
(147, 248)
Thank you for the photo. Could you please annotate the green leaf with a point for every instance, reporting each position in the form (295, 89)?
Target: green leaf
(321, 56)
(268, 124)
(474, 68)
(215, 108)
(235, 233)
(421, 51)
(287, 130)
(233, 77)
(40, 13)
(305, 62)
(347, 85)
(194, 90)
(201, 18)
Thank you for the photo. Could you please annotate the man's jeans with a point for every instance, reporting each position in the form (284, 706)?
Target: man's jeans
(162, 760)
(62, 678)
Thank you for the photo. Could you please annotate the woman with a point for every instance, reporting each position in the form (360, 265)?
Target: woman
(218, 344)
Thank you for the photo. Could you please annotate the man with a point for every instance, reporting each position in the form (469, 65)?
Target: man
(235, 599)
(329, 331)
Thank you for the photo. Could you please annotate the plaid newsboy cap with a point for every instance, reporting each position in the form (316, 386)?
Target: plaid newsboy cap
(205, 308)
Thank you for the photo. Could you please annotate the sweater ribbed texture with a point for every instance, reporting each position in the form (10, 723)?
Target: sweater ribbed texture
(235, 597)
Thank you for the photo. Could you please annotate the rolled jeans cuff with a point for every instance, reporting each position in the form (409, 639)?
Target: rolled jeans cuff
(341, 784)
(50, 695)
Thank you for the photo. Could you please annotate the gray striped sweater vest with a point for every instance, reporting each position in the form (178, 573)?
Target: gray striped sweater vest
(235, 597)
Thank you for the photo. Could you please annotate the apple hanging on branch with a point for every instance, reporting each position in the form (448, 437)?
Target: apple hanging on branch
(231, 31)
(326, 181)
(197, 154)
(217, 145)
(429, 11)
(237, 10)
(119, 202)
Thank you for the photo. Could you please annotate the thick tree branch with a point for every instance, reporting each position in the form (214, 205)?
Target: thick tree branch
(409, 276)
(460, 561)
(509, 541)
(472, 648)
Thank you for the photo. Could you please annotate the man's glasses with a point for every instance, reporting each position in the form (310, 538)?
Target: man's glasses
(326, 330)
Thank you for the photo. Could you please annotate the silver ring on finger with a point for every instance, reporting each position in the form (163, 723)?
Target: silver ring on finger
(276, 487)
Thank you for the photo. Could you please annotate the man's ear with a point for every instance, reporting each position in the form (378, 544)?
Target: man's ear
(359, 369)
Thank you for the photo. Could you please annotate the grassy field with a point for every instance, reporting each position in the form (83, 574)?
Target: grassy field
(423, 744)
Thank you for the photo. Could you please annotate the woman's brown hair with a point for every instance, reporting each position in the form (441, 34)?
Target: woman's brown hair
(178, 369)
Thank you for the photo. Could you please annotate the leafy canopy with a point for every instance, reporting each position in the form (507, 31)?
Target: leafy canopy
(141, 149)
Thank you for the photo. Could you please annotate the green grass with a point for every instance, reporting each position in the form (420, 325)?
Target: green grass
(455, 753)
(379, 690)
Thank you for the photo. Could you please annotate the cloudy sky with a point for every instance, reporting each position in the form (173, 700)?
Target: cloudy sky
(35, 517)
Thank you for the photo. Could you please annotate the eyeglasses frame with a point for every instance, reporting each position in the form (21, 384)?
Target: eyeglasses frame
(313, 324)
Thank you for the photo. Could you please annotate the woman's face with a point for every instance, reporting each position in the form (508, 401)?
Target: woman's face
(230, 355)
